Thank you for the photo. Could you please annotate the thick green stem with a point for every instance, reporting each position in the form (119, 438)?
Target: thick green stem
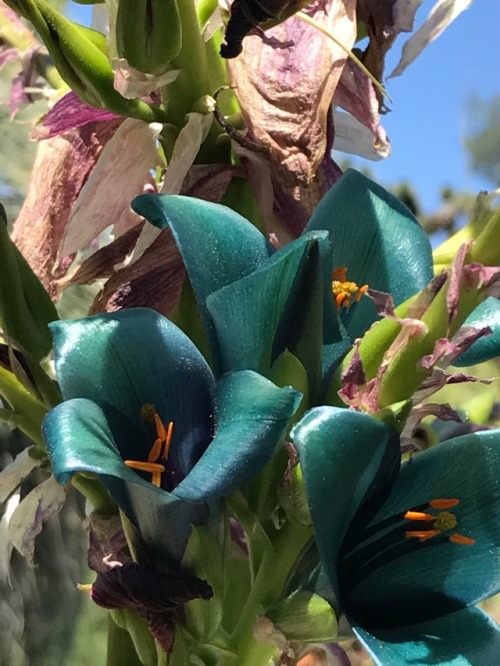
(268, 585)
(193, 80)
(28, 411)
(121, 649)
(96, 494)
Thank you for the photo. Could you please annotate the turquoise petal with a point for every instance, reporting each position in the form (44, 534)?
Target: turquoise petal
(252, 414)
(377, 238)
(437, 577)
(81, 437)
(135, 357)
(218, 246)
(347, 458)
(279, 306)
(466, 638)
(487, 347)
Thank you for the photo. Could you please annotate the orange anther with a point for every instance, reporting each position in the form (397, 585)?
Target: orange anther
(461, 539)
(419, 515)
(150, 467)
(443, 503)
(155, 452)
(340, 300)
(340, 274)
(361, 292)
(161, 431)
(422, 535)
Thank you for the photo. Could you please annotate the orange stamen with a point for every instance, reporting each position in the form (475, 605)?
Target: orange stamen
(156, 479)
(340, 274)
(161, 431)
(422, 535)
(151, 467)
(461, 539)
(339, 300)
(419, 515)
(443, 503)
(155, 452)
(361, 292)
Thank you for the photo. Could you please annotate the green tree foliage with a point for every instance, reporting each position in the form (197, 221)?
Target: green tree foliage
(483, 143)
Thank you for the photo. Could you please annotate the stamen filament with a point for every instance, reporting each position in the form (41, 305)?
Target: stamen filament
(422, 535)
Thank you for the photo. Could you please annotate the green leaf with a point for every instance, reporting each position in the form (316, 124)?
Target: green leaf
(25, 306)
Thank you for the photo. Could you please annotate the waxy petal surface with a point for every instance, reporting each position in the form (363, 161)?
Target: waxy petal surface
(275, 308)
(466, 638)
(252, 414)
(81, 437)
(347, 458)
(487, 347)
(377, 238)
(135, 357)
(438, 577)
(218, 246)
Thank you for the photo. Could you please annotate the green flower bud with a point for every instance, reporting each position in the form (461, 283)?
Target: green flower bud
(80, 57)
(148, 34)
(305, 616)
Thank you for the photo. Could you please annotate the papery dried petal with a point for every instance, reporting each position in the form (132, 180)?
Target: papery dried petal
(455, 282)
(154, 280)
(356, 94)
(107, 542)
(442, 14)
(120, 174)
(102, 264)
(69, 113)
(61, 168)
(286, 93)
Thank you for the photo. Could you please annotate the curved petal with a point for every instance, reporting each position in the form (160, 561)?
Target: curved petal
(279, 306)
(347, 458)
(487, 347)
(377, 238)
(429, 579)
(218, 246)
(80, 437)
(135, 357)
(466, 638)
(252, 414)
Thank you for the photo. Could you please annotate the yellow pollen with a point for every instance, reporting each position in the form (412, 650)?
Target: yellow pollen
(343, 290)
(444, 521)
(159, 450)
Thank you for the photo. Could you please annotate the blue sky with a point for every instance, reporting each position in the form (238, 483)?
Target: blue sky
(429, 116)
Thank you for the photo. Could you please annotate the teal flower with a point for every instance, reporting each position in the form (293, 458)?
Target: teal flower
(407, 552)
(255, 302)
(125, 377)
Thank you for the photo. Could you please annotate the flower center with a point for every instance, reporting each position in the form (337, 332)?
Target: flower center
(366, 550)
(343, 290)
(444, 521)
(159, 450)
